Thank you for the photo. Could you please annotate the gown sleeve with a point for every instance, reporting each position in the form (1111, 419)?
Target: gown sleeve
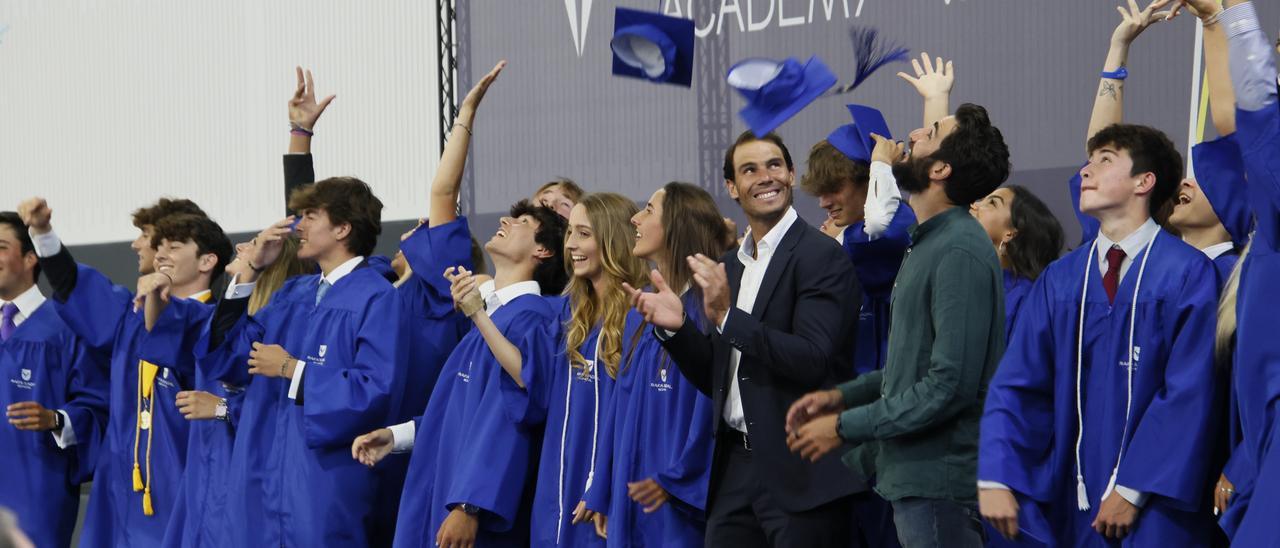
(1088, 225)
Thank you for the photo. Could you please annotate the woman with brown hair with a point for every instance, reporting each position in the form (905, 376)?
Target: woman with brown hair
(660, 438)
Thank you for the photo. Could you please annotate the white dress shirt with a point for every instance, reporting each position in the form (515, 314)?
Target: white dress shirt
(1216, 250)
(754, 266)
(1133, 244)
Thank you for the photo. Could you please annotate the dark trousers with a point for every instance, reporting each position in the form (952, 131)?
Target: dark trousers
(744, 515)
(937, 523)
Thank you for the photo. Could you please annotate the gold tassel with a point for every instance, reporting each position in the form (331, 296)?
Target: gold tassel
(137, 478)
(147, 509)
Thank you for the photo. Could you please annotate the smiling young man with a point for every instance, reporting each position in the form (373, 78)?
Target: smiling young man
(55, 393)
(1097, 420)
(784, 308)
(325, 360)
(139, 464)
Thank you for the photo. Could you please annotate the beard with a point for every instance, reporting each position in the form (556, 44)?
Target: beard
(913, 174)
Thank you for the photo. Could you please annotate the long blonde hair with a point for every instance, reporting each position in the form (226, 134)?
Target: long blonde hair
(610, 215)
(285, 267)
(1225, 335)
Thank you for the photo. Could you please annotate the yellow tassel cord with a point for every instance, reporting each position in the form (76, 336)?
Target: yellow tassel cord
(146, 382)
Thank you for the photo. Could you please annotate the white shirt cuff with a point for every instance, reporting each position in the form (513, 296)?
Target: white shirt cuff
(1134, 497)
(402, 437)
(663, 334)
(47, 244)
(297, 379)
(238, 290)
(983, 484)
(67, 436)
(720, 327)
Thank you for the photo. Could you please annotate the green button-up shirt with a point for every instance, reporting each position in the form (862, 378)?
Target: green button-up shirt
(916, 421)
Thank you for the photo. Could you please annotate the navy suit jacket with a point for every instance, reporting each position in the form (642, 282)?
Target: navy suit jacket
(798, 338)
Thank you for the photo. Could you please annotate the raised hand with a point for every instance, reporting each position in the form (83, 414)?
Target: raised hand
(1199, 8)
(710, 275)
(887, 150)
(473, 98)
(371, 448)
(811, 406)
(269, 243)
(156, 284)
(304, 111)
(932, 79)
(35, 213)
(661, 308)
(463, 287)
(1134, 20)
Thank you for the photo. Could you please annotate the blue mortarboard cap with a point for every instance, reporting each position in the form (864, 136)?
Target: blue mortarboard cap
(652, 46)
(1219, 170)
(776, 90)
(854, 140)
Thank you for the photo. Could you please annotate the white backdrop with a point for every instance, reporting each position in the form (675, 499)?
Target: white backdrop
(106, 105)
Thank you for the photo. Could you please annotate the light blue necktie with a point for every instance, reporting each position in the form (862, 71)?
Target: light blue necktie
(324, 288)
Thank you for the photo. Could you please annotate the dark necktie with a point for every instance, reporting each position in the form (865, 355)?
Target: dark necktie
(7, 325)
(1111, 280)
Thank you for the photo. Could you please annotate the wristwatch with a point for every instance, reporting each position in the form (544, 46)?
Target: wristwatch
(469, 509)
(220, 410)
(58, 422)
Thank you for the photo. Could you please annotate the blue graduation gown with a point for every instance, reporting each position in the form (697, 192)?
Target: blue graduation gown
(876, 264)
(1088, 225)
(572, 403)
(467, 450)
(1029, 428)
(1015, 289)
(433, 329)
(292, 480)
(661, 429)
(102, 315)
(46, 363)
(200, 517)
(1257, 352)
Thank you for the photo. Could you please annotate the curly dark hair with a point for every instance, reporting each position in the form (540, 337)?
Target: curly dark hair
(550, 272)
(207, 235)
(347, 200)
(977, 154)
(1038, 239)
(164, 207)
(1151, 152)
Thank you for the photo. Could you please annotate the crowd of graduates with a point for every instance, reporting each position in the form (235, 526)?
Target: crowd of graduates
(921, 368)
